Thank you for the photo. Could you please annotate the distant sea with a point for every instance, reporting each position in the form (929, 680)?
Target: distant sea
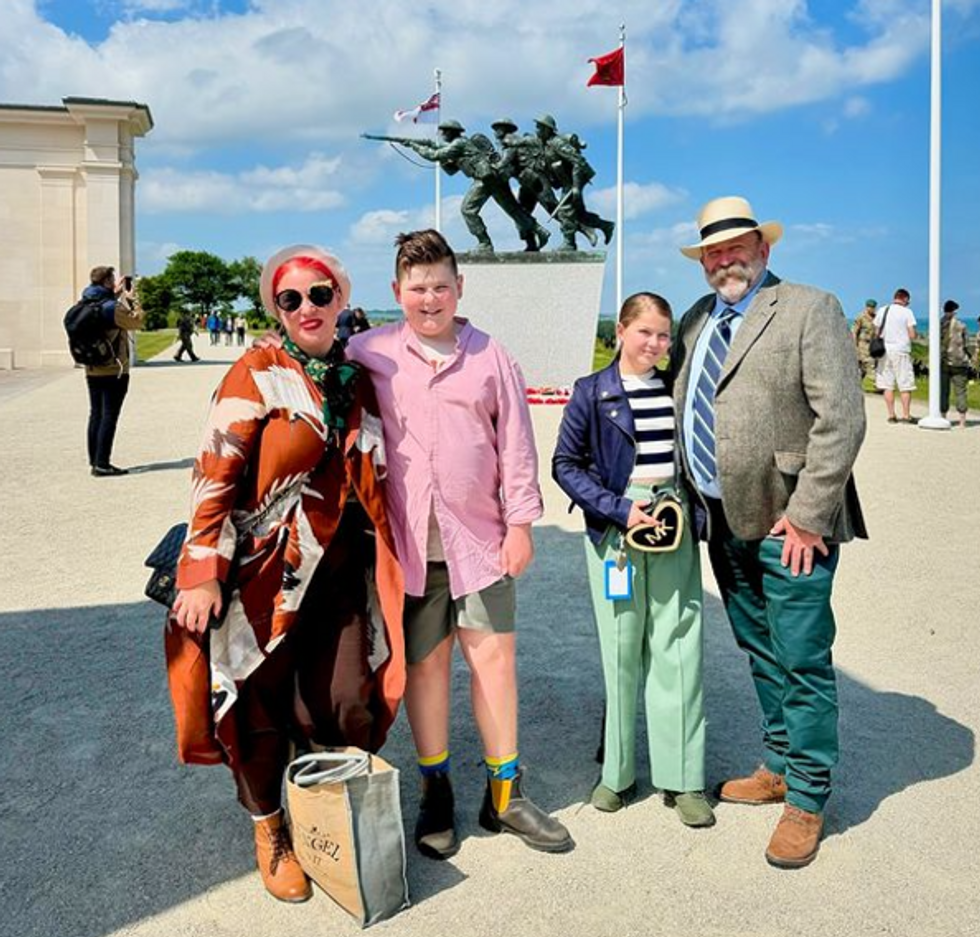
(380, 316)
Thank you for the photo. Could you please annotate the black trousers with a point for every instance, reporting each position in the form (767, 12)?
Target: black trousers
(106, 396)
(323, 661)
(186, 346)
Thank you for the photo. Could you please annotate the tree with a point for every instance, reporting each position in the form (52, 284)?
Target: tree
(200, 280)
(245, 274)
(156, 299)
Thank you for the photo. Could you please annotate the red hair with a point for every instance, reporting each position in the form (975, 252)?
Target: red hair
(302, 263)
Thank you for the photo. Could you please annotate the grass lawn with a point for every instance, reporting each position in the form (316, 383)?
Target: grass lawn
(921, 392)
(150, 344)
(602, 356)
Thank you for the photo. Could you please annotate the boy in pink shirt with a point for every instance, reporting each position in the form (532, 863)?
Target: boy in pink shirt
(462, 493)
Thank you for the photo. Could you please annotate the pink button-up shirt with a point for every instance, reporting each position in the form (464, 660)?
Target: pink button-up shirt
(459, 441)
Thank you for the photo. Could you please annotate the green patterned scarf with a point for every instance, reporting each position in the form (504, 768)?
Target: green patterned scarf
(336, 377)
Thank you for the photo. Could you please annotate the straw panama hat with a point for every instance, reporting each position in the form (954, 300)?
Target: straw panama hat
(725, 218)
(300, 250)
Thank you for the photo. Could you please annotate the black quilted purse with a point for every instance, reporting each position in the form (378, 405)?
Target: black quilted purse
(162, 584)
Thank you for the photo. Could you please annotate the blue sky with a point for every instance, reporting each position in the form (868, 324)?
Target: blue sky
(816, 111)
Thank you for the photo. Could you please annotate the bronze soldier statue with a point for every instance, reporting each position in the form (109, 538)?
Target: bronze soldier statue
(567, 170)
(475, 157)
(523, 157)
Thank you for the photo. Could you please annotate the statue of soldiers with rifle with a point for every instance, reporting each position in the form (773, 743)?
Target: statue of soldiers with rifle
(523, 157)
(475, 157)
(561, 165)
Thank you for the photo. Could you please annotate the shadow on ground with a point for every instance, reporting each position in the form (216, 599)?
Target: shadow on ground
(162, 466)
(171, 363)
(100, 827)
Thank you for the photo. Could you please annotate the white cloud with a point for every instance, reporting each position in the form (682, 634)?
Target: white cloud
(153, 255)
(284, 69)
(155, 6)
(814, 231)
(856, 107)
(379, 227)
(638, 199)
(261, 189)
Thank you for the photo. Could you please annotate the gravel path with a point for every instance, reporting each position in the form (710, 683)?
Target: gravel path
(101, 832)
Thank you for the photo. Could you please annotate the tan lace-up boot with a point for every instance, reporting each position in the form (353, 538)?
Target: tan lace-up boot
(281, 873)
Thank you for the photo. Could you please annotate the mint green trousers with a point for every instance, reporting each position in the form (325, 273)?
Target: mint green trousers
(653, 641)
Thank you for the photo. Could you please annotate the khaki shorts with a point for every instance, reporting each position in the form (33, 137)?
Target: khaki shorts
(431, 618)
(895, 371)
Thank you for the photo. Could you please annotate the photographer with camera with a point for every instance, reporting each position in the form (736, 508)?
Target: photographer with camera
(108, 383)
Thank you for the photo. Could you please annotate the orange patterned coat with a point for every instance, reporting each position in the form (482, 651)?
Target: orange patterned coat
(264, 432)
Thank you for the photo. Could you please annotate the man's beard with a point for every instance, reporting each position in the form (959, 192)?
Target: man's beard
(733, 281)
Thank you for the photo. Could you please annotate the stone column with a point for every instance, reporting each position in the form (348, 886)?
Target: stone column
(53, 288)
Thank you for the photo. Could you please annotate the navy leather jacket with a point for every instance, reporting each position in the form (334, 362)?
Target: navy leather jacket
(594, 456)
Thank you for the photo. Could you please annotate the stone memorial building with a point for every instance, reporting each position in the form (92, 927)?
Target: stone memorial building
(67, 183)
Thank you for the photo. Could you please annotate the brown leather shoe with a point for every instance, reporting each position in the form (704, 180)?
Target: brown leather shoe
(796, 839)
(761, 787)
(281, 873)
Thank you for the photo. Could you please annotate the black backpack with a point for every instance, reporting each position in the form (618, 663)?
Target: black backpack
(87, 329)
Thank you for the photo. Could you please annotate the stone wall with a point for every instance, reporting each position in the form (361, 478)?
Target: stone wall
(67, 184)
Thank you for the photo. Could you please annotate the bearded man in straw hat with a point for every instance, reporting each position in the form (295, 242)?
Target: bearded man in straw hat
(772, 418)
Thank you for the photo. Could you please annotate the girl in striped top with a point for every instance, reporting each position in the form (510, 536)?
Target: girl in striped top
(615, 449)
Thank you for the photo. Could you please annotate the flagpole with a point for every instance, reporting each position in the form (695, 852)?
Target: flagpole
(934, 420)
(438, 218)
(619, 179)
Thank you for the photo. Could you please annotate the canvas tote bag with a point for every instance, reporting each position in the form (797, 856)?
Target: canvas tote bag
(346, 818)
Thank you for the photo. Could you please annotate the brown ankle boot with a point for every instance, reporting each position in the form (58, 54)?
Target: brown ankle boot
(796, 839)
(281, 873)
(761, 787)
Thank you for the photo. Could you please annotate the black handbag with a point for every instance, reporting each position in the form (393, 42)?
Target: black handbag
(162, 584)
(876, 347)
(666, 528)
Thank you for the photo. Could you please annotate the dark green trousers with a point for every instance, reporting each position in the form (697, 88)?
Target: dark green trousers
(786, 626)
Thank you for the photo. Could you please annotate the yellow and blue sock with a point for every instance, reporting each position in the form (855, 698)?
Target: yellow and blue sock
(434, 764)
(501, 772)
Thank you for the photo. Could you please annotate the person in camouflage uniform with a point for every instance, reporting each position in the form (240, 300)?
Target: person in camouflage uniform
(954, 361)
(863, 331)
(476, 158)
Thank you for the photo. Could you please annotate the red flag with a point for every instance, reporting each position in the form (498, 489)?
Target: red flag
(610, 69)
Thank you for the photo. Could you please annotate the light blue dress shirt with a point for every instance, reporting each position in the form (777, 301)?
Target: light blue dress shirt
(709, 486)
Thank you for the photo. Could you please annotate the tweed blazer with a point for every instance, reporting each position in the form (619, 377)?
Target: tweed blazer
(789, 412)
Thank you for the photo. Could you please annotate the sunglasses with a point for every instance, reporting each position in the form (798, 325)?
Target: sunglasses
(290, 300)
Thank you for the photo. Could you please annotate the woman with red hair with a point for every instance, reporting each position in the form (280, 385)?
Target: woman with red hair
(292, 630)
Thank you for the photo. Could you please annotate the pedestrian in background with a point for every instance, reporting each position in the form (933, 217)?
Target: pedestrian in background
(954, 361)
(185, 331)
(361, 321)
(108, 384)
(863, 331)
(895, 323)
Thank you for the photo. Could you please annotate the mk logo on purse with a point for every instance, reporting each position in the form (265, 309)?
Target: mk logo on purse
(663, 533)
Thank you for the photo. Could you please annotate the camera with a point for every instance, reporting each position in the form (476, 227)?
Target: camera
(128, 283)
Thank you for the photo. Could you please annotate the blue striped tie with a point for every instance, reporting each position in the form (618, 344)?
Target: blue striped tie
(703, 449)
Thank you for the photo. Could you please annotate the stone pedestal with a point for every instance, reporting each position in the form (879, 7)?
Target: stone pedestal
(542, 307)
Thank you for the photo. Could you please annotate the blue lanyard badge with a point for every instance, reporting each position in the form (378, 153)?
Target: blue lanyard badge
(619, 581)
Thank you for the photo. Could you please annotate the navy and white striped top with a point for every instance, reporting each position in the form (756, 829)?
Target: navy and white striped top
(653, 422)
